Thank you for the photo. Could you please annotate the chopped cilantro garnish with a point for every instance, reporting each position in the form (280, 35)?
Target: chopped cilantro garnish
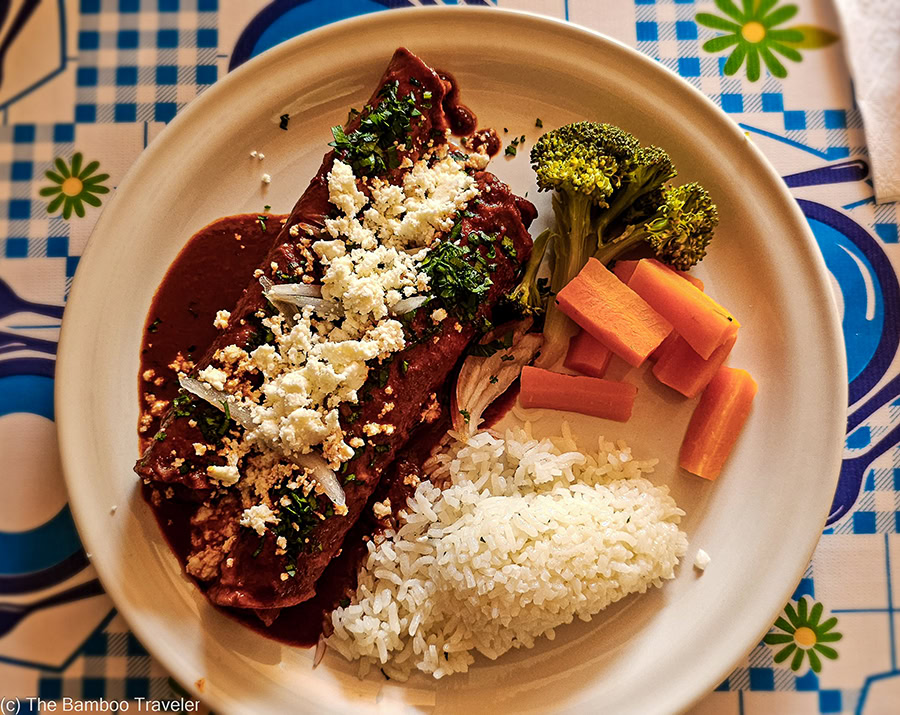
(382, 448)
(404, 366)
(350, 478)
(426, 94)
(494, 380)
(457, 276)
(509, 247)
(510, 150)
(154, 326)
(344, 602)
(283, 121)
(538, 123)
(159, 436)
(371, 148)
(261, 220)
(290, 570)
(466, 415)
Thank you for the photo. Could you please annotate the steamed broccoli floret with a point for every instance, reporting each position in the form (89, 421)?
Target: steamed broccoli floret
(678, 231)
(528, 297)
(641, 177)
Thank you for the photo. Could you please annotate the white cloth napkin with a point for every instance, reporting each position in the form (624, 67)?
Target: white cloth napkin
(871, 31)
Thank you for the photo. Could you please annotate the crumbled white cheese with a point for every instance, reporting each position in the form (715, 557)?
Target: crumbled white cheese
(701, 560)
(381, 509)
(342, 189)
(266, 179)
(281, 542)
(256, 518)
(438, 315)
(214, 376)
(226, 475)
(221, 321)
(254, 154)
(200, 449)
(260, 156)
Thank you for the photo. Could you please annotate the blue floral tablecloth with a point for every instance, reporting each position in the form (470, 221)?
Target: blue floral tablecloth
(85, 85)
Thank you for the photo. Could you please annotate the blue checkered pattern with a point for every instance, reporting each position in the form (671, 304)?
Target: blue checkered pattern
(26, 229)
(140, 66)
(113, 665)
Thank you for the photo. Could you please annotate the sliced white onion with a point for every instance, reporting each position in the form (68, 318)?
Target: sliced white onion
(285, 291)
(402, 307)
(324, 475)
(238, 412)
(287, 297)
(321, 647)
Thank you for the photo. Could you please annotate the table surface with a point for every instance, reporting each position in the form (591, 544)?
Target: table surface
(89, 83)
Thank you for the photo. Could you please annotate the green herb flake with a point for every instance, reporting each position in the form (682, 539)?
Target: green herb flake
(510, 150)
(538, 123)
(283, 121)
(466, 415)
(261, 220)
(159, 436)
(404, 366)
(350, 478)
(494, 380)
(154, 326)
(507, 358)
(344, 602)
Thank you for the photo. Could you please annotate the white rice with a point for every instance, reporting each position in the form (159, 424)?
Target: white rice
(526, 535)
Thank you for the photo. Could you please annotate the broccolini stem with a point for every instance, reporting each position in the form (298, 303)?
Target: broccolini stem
(538, 249)
(570, 253)
(527, 296)
(609, 252)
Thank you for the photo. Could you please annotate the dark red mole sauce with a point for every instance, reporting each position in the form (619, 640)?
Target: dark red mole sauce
(180, 319)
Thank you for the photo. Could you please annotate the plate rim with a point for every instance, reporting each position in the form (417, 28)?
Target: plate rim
(68, 416)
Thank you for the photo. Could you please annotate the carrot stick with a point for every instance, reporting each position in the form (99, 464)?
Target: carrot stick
(613, 313)
(625, 269)
(664, 345)
(717, 421)
(682, 369)
(586, 395)
(696, 317)
(587, 355)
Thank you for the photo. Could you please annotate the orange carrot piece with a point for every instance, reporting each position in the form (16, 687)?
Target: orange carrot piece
(717, 421)
(587, 355)
(682, 369)
(696, 317)
(586, 395)
(625, 269)
(613, 313)
(664, 345)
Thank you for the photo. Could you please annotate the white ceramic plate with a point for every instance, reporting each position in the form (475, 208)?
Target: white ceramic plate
(759, 521)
